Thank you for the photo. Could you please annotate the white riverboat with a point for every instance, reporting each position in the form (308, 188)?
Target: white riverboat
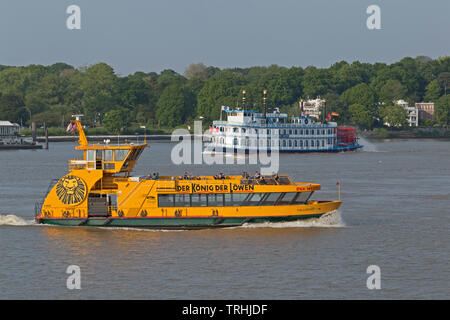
(248, 131)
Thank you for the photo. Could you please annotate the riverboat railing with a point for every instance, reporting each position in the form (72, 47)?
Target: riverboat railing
(267, 180)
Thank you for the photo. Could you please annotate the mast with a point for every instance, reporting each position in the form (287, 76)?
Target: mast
(82, 137)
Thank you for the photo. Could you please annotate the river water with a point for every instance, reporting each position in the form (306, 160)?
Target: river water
(395, 214)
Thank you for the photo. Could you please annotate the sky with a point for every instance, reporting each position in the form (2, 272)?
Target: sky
(153, 35)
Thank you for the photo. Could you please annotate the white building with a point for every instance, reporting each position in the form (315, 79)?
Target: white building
(413, 112)
(312, 107)
(9, 132)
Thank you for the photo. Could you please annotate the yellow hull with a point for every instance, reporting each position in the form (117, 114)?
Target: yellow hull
(99, 190)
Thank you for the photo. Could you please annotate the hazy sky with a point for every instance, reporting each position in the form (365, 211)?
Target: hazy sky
(152, 35)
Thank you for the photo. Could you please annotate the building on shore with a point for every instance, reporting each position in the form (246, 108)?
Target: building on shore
(426, 110)
(312, 107)
(9, 132)
(413, 112)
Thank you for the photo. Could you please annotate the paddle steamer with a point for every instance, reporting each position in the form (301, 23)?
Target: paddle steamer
(99, 190)
(250, 131)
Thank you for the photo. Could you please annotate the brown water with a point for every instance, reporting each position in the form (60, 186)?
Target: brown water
(395, 214)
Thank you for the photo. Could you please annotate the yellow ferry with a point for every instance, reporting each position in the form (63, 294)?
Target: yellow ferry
(99, 191)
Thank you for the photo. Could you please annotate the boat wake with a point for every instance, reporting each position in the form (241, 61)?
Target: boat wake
(329, 220)
(13, 220)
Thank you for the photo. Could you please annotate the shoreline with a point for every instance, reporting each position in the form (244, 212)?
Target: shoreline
(420, 134)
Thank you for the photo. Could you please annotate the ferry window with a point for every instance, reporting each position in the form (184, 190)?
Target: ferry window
(301, 131)
(290, 143)
(323, 143)
(295, 143)
(165, 200)
(317, 143)
(306, 131)
(182, 200)
(90, 155)
(271, 198)
(215, 199)
(284, 143)
(312, 143)
(312, 131)
(306, 143)
(243, 130)
(287, 198)
(234, 199)
(199, 200)
(135, 154)
(290, 131)
(301, 143)
(302, 197)
(109, 166)
(108, 155)
(120, 154)
(252, 199)
(235, 129)
(295, 131)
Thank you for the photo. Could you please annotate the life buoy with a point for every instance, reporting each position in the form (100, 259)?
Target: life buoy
(306, 121)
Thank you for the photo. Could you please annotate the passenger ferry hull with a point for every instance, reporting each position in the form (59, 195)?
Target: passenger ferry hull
(200, 222)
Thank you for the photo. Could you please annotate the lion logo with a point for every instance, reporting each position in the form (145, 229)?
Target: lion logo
(71, 190)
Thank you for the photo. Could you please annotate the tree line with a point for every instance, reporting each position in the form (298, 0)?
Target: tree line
(362, 93)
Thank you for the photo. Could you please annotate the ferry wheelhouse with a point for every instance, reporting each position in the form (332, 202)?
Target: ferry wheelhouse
(99, 190)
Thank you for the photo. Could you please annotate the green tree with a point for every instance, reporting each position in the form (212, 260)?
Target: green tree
(392, 91)
(394, 116)
(172, 106)
(197, 70)
(442, 111)
(361, 116)
(432, 91)
(224, 88)
(100, 90)
(12, 108)
(117, 119)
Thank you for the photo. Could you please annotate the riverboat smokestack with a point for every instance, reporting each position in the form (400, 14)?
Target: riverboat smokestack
(301, 107)
(324, 110)
(243, 99)
(265, 104)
